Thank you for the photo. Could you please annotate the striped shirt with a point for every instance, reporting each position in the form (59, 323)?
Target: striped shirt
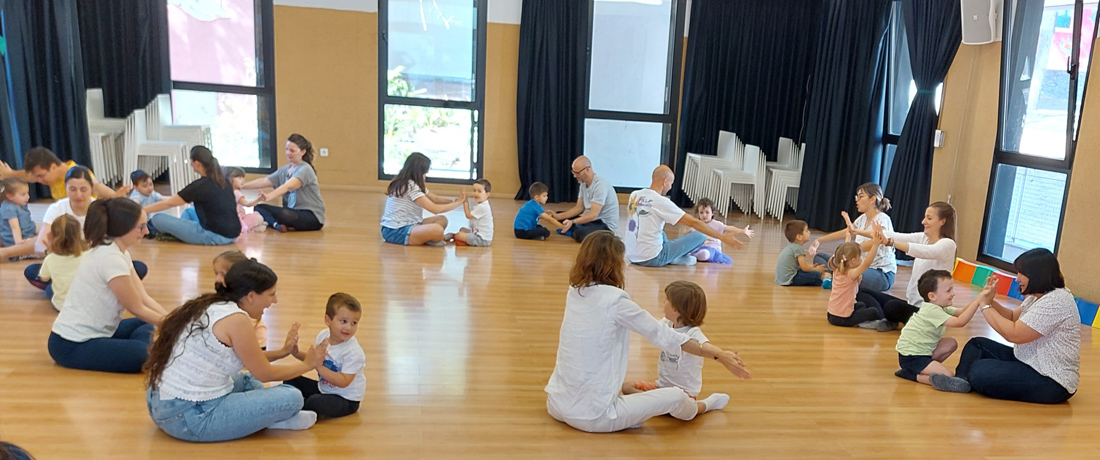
(402, 211)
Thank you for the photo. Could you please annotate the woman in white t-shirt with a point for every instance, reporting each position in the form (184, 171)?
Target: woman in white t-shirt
(89, 333)
(196, 390)
(403, 220)
(1045, 365)
(872, 207)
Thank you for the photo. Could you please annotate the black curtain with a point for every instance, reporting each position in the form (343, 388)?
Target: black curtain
(746, 71)
(9, 149)
(125, 48)
(551, 88)
(934, 33)
(843, 123)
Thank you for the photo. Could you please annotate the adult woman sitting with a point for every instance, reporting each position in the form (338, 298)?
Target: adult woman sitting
(89, 333)
(407, 197)
(1044, 366)
(213, 221)
(196, 390)
(303, 208)
(872, 207)
(594, 345)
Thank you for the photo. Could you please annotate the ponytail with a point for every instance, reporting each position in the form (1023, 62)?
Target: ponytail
(875, 192)
(210, 166)
(844, 254)
(110, 218)
(307, 148)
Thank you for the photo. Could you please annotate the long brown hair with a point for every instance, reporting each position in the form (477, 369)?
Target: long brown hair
(415, 169)
(210, 166)
(110, 218)
(244, 278)
(599, 261)
(66, 238)
(946, 212)
(306, 146)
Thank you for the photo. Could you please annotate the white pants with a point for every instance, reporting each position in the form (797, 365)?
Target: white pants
(633, 410)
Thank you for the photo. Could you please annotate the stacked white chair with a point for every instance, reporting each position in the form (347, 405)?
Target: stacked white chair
(696, 172)
(160, 128)
(783, 186)
(731, 155)
(745, 185)
(138, 144)
(104, 138)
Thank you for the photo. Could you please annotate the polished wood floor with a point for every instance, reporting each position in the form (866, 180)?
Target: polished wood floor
(460, 342)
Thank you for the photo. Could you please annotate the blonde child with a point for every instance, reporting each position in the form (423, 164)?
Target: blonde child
(794, 268)
(67, 248)
(846, 309)
(529, 217)
(250, 221)
(17, 228)
(922, 348)
(480, 215)
(342, 384)
(222, 263)
(711, 250)
(685, 307)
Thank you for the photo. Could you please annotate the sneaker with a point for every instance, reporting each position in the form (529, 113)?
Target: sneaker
(944, 382)
(827, 283)
(168, 237)
(541, 238)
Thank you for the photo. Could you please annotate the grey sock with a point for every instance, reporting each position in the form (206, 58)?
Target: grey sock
(944, 382)
(436, 243)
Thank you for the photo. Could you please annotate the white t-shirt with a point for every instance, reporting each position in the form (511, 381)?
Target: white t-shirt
(60, 271)
(91, 309)
(937, 256)
(345, 358)
(57, 209)
(647, 212)
(885, 259)
(682, 370)
(402, 211)
(482, 223)
(1057, 354)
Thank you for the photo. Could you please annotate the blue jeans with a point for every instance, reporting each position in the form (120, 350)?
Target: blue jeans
(187, 229)
(874, 279)
(32, 270)
(803, 278)
(993, 370)
(676, 251)
(248, 409)
(124, 352)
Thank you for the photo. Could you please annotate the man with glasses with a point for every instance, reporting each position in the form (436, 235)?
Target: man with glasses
(597, 206)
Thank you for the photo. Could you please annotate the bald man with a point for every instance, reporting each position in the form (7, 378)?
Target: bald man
(597, 206)
(648, 211)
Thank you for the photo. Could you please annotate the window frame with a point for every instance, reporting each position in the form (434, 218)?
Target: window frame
(897, 24)
(477, 105)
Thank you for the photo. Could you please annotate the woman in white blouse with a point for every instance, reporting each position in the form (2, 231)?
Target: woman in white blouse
(594, 344)
(872, 207)
(1044, 366)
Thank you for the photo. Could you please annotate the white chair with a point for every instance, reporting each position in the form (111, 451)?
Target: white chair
(139, 145)
(783, 186)
(785, 156)
(749, 180)
(730, 156)
(103, 136)
(161, 129)
(695, 174)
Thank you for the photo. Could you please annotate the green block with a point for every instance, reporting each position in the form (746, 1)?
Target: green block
(980, 275)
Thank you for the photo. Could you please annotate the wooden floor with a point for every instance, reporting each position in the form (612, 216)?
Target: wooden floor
(460, 342)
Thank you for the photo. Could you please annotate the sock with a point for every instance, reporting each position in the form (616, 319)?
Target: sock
(716, 401)
(436, 243)
(300, 421)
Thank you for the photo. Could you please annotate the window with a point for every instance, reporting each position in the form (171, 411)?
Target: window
(634, 56)
(1045, 60)
(223, 77)
(431, 85)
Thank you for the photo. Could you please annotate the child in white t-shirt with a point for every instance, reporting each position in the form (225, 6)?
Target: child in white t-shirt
(342, 383)
(480, 215)
(685, 307)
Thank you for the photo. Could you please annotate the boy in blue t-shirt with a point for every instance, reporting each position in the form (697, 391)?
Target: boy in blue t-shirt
(527, 219)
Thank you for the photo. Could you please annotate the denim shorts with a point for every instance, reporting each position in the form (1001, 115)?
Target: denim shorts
(398, 235)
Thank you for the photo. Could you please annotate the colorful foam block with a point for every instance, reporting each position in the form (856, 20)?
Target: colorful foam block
(1004, 282)
(964, 271)
(1087, 310)
(1014, 290)
(980, 275)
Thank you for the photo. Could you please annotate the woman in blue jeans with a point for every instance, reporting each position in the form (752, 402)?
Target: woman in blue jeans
(872, 207)
(89, 332)
(1044, 366)
(213, 221)
(196, 390)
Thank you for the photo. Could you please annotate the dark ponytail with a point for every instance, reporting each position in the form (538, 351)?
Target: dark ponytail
(110, 218)
(243, 278)
(210, 166)
(307, 148)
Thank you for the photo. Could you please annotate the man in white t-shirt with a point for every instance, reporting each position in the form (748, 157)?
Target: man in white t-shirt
(648, 211)
(597, 206)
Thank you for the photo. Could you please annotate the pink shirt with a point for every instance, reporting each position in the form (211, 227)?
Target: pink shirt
(714, 242)
(240, 208)
(842, 300)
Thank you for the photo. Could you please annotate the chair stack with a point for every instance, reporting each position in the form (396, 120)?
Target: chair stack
(697, 172)
(105, 139)
(138, 144)
(783, 179)
(744, 185)
(159, 122)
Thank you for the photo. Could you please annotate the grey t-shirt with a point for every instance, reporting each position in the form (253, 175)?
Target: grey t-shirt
(602, 193)
(1057, 354)
(788, 264)
(308, 196)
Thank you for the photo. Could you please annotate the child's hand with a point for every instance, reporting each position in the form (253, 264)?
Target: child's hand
(262, 198)
(461, 196)
(5, 170)
(566, 225)
(990, 289)
(315, 357)
(748, 233)
(734, 364)
(291, 343)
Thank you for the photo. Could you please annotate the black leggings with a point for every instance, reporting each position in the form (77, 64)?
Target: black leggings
(893, 308)
(993, 370)
(866, 309)
(533, 234)
(297, 219)
(581, 231)
(324, 405)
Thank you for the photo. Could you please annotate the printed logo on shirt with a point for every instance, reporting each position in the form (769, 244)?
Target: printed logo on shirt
(632, 209)
(330, 365)
(672, 361)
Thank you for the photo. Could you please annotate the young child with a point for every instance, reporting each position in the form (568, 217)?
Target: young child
(921, 346)
(480, 232)
(143, 192)
(794, 268)
(250, 221)
(342, 383)
(67, 248)
(222, 263)
(711, 250)
(527, 220)
(685, 307)
(16, 225)
(848, 265)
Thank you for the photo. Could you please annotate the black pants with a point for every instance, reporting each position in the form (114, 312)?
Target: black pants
(993, 370)
(296, 219)
(866, 309)
(581, 231)
(324, 405)
(533, 234)
(893, 308)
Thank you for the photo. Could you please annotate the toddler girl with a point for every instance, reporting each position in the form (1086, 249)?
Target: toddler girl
(16, 226)
(711, 250)
(67, 248)
(845, 307)
(250, 221)
(222, 263)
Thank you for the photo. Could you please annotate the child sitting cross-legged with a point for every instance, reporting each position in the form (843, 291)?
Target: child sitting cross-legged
(67, 248)
(531, 215)
(711, 250)
(342, 383)
(794, 268)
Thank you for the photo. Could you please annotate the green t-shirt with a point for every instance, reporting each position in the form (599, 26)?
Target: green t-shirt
(924, 330)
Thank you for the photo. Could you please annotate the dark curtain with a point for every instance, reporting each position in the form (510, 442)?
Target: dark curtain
(9, 150)
(843, 123)
(934, 34)
(125, 48)
(551, 88)
(746, 71)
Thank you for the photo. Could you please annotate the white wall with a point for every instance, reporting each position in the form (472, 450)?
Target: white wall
(500, 11)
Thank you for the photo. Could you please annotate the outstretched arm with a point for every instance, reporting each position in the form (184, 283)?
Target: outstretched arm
(702, 227)
(729, 359)
(171, 202)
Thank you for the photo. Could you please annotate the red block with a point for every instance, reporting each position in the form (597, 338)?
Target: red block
(1004, 282)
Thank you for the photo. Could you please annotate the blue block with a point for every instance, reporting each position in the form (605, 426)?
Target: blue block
(1087, 310)
(1014, 291)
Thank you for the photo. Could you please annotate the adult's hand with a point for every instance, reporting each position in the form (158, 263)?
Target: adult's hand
(733, 363)
(731, 239)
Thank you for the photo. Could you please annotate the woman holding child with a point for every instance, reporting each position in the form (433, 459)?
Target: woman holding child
(872, 206)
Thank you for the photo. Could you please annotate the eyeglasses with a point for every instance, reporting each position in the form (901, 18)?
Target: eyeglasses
(860, 196)
(577, 173)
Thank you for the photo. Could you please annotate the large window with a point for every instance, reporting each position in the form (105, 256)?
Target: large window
(1045, 60)
(431, 83)
(223, 76)
(635, 49)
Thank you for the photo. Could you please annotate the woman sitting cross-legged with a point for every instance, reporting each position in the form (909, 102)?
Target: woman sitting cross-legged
(213, 221)
(303, 208)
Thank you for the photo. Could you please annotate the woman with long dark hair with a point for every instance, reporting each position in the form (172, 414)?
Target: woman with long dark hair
(407, 197)
(213, 221)
(303, 208)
